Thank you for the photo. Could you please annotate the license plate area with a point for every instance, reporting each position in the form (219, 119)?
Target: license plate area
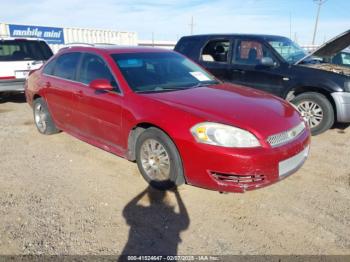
(292, 164)
(21, 74)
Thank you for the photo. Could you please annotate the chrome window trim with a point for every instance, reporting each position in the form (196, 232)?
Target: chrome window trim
(121, 93)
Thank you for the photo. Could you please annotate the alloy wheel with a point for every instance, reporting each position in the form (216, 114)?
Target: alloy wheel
(311, 112)
(155, 160)
(40, 117)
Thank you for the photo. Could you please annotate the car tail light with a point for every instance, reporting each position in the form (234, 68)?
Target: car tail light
(7, 77)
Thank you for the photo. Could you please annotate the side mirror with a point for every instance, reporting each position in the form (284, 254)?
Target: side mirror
(101, 84)
(267, 61)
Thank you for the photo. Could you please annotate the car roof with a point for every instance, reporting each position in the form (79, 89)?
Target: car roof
(260, 36)
(115, 49)
(20, 38)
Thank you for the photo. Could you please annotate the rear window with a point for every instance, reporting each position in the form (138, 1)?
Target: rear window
(66, 66)
(186, 45)
(23, 50)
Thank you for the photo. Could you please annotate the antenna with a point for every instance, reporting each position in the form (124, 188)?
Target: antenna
(319, 3)
(192, 25)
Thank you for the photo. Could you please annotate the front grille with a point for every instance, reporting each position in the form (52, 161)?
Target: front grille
(241, 180)
(286, 136)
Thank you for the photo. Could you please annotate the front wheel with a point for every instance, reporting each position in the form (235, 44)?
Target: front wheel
(317, 111)
(158, 159)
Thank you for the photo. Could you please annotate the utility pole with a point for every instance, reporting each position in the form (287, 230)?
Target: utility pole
(290, 25)
(192, 25)
(319, 3)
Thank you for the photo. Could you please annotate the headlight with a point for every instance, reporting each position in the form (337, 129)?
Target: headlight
(223, 135)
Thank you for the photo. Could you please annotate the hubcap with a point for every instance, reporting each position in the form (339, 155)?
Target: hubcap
(155, 160)
(40, 117)
(311, 112)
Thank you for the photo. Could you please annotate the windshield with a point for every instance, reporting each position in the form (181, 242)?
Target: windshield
(289, 50)
(160, 72)
(24, 50)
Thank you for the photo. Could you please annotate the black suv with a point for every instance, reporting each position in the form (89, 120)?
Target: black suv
(320, 90)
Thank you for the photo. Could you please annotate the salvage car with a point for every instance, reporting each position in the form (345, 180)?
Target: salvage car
(18, 56)
(275, 64)
(173, 118)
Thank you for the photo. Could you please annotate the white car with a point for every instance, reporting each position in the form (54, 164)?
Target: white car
(17, 58)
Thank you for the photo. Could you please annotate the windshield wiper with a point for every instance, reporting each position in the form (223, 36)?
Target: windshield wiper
(201, 84)
(158, 90)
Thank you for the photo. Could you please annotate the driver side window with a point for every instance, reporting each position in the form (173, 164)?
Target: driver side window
(249, 52)
(94, 67)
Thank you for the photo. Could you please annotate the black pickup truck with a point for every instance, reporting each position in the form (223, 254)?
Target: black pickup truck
(319, 89)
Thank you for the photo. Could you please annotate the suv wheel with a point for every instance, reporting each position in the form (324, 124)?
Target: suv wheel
(317, 111)
(158, 159)
(42, 118)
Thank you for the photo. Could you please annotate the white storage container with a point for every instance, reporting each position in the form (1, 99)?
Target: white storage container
(81, 35)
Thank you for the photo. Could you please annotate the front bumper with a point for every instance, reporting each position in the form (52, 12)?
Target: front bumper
(342, 103)
(12, 86)
(239, 170)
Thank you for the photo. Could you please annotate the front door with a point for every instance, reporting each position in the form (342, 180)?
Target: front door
(247, 68)
(99, 112)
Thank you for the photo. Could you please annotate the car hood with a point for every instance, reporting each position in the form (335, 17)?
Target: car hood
(331, 47)
(243, 107)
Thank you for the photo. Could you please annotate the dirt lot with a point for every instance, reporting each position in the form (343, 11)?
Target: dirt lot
(59, 195)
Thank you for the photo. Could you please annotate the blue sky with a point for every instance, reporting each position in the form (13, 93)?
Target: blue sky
(169, 20)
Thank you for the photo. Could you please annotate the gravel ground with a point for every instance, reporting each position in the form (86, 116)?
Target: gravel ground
(59, 195)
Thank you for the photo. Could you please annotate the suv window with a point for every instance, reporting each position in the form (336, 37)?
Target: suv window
(66, 66)
(19, 50)
(94, 67)
(248, 52)
(216, 51)
(186, 45)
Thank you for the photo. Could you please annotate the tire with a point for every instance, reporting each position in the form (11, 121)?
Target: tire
(42, 118)
(153, 148)
(316, 110)
(4, 96)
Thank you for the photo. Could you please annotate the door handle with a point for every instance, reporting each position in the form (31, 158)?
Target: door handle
(47, 84)
(241, 71)
(79, 93)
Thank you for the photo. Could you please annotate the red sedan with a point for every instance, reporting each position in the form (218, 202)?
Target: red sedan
(173, 118)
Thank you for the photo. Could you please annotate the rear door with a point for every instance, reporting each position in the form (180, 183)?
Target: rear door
(59, 80)
(99, 112)
(215, 57)
(19, 56)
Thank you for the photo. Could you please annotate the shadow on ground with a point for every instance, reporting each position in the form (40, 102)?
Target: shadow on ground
(12, 97)
(341, 127)
(154, 229)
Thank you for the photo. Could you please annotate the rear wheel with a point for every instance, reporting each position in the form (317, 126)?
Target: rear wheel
(42, 118)
(317, 111)
(158, 159)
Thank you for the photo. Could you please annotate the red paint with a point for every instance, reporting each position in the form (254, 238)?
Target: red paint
(105, 119)
(7, 77)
